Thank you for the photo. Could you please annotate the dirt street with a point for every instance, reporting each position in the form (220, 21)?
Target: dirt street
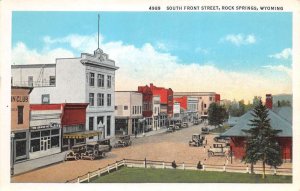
(166, 147)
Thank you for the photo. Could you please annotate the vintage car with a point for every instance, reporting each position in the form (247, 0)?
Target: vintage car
(75, 152)
(185, 124)
(123, 141)
(204, 130)
(197, 140)
(94, 150)
(171, 128)
(196, 122)
(218, 150)
(105, 142)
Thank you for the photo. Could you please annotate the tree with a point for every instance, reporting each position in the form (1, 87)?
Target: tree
(261, 144)
(216, 114)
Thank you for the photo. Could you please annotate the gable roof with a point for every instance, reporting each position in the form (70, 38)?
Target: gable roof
(285, 112)
(277, 122)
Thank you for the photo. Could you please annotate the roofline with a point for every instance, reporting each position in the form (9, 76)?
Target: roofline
(33, 66)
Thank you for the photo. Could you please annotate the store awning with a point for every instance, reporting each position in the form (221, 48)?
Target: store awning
(81, 135)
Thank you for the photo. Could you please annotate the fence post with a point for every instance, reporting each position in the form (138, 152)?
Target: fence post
(163, 165)
(99, 173)
(145, 163)
(88, 176)
(78, 179)
(274, 171)
(247, 169)
(116, 165)
(224, 168)
(203, 167)
(183, 165)
(108, 168)
(124, 162)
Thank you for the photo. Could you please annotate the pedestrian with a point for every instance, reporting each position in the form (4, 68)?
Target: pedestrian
(135, 133)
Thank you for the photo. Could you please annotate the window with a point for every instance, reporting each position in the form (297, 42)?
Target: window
(116, 107)
(108, 99)
(91, 99)
(30, 81)
(45, 98)
(36, 134)
(52, 81)
(210, 98)
(108, 125)
(99, 118)
(92, 79)
(100, 80)
(91, 123)
(54, 141)
(204, 105)
(20, 148)
(35, 145)
(108, 81)
(12, 80)
(100, 99)
(20, 114)
(125, 107)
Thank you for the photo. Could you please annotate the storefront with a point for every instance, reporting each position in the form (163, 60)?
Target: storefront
(44, 140)
(20, 145)
(75, 138)
(121, 126)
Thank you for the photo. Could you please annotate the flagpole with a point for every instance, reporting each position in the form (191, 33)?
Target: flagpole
(98, 29)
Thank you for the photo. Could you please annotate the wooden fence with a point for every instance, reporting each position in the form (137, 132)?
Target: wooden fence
(168, 165)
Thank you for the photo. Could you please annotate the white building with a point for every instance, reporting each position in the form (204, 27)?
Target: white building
(192, 108)
(86, 79)
(156, 118)
(128, 110)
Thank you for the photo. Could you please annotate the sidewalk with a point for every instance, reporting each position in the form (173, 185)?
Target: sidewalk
(33, 164)
(150, 133)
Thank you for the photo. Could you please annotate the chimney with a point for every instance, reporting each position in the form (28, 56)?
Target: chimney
(269, 101)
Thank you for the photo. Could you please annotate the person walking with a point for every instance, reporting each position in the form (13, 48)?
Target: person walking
(135, 133)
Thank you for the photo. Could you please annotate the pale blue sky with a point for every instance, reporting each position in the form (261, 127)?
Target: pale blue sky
(239, 55)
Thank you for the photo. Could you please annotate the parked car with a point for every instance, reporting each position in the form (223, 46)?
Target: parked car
(94, 150)
(105, 142)
(185, 124)
(197, 140)
(196, 122)
(123, 141)
(218, 150)
(171, 128)
(75, 152)
(204, 130)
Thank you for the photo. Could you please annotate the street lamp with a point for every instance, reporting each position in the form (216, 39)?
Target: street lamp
(12, 160)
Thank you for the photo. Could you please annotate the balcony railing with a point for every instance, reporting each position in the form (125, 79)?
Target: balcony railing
(33, 84)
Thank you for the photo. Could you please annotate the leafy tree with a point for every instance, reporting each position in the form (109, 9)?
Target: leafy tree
(216, 114)
(261, 144)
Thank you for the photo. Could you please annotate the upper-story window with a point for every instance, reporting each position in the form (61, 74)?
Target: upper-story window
(116, 107)
(108, 81)
(30, 81)
(125, 107)
(91, 99)
(100, 80)
(210, 98)
(92, 79)
(108, 99)
(100, 99)
(20, 114)
(52, 80)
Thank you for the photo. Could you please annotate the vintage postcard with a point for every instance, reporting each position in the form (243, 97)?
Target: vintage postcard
(162, 92)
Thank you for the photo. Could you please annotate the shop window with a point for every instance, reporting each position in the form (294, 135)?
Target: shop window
(80, 141)
(54, 141)
(91, 99)
(21, 135)
(20, 114)
(20, 148)
(45, 133)
(65, 142)
(35, 134)
(108, 125)
(35, 145)
(55, 132)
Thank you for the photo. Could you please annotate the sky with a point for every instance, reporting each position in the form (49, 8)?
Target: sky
(239, 55)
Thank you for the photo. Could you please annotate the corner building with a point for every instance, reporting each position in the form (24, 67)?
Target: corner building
(86, 79)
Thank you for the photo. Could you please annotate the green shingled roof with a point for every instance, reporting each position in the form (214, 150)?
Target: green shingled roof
(277, 122)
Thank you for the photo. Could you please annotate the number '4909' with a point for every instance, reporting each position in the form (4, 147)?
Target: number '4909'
(154, 8)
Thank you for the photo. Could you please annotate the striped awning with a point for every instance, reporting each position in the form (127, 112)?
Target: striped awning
(81, 135)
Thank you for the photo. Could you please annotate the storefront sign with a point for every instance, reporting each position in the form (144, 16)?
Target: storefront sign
(52, 125)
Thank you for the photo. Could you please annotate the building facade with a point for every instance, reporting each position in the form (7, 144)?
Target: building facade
(128, 111)
(204, 100)
(20, 117)
(147, 104)
(87, 79)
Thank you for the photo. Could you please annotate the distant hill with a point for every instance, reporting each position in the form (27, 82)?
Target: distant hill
(280, 97)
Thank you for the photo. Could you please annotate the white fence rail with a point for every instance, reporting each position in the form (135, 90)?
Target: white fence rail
(183, 166)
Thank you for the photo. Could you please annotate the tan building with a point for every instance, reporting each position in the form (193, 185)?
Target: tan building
(20, 115)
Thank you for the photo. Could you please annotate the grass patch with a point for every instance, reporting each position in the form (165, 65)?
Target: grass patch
(141, 175)
(220, 129)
